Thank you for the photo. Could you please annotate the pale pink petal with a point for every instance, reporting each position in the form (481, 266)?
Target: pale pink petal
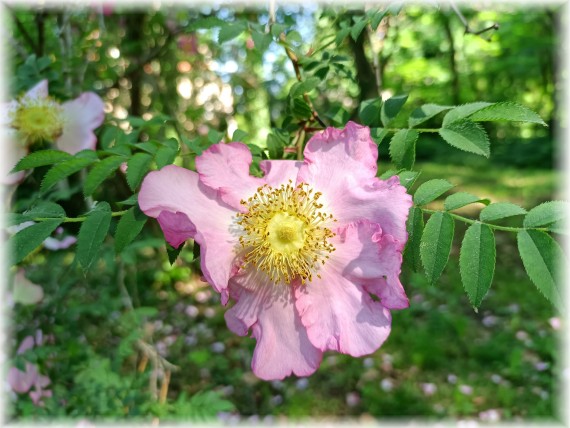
(38, 91)
(341, 164)
(7, 111)
(278, 172)
(368, 257)
(12, 153)
(25, 292)
(42, 381)
(283, 347)
(225, 168)
(55, 244)
(82, 116)
(20, 381)
(341, 316)
(27, 344)
(175, 190)
(335, 154)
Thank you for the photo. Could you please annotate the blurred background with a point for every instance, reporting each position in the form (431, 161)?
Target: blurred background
(443, 360)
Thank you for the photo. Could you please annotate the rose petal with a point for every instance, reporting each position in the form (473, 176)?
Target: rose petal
(365, 256)
(278, 172)
(175, 190)
(39, 90)
(55, 244)
(355, 194)
(26, 292)
(341, 316)
(27, 344)
(82, 115)
(225, 167)
(6, 112)
(12, 155)
(283, 347)
(20, 381)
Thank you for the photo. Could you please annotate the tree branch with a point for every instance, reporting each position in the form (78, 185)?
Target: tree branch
(468, 29)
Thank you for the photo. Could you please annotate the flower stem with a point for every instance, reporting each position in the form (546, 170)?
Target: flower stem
(492, 226)
(76, 219)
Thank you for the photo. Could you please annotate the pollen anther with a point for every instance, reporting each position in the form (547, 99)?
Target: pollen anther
(285, 233)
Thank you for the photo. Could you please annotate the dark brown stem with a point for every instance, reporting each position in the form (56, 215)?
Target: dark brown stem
(452, 63)
(468, 29)
(294, 60)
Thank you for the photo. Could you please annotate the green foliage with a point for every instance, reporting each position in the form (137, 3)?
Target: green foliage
(415, 228)
(431, 190)
(403, 148)
(63, 170)
(499, 210)
(507, 111)
(41, 158)
(390, 109)
(369, 112)
(467, 136)
(424, 113)
(460, 199)
(92, 233)
(28, 239)
(546, 214)
(436, 244)
(137, 167)
(542, 258)
(128, 228)
(100, 172)
(477, 262)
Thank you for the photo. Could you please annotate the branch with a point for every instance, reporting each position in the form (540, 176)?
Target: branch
(468, 29)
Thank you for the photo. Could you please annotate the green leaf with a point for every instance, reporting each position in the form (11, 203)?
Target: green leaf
(173, 253)
(391, 108)
(165, 156)
(275, 146)
(300, 108)
(92, 234)
(128, 228)
(477, 262)
(230, 31)
(300, 88)
(28, 239)
(193, 145)
(369, 112)
(408, 178)
(41, 158)
(357, 28)
(415, 228)
(137, 167)
(100, 172)
(435, 244)
(378, 134)
(546, 213)
(376, 18)
(431, 190)
(403, 148)
(277, 29)
(240, 136)
(543, 259)
(205, 23)
(341, 35)
(509, 111)
(261, 40)
(500, 210)
(468, 136)
(62, 170)
(45, 209)
(149, 146)
(215, 137)
(463, 111)
(424, 113)
(460, 199)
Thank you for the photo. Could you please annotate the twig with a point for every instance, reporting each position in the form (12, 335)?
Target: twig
(463, 20)
(295, 61)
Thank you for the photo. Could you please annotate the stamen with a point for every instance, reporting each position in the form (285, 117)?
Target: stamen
(284, 232)
(38, 119)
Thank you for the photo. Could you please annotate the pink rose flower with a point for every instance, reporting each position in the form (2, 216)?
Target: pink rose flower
(36, 117)
(22, 382)
(301, 250)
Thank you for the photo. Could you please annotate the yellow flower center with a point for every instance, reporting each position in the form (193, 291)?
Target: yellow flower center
(284, 232)
(38, 119)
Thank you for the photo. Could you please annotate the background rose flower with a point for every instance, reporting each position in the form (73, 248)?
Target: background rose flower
(300, 250)
(36, 116)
